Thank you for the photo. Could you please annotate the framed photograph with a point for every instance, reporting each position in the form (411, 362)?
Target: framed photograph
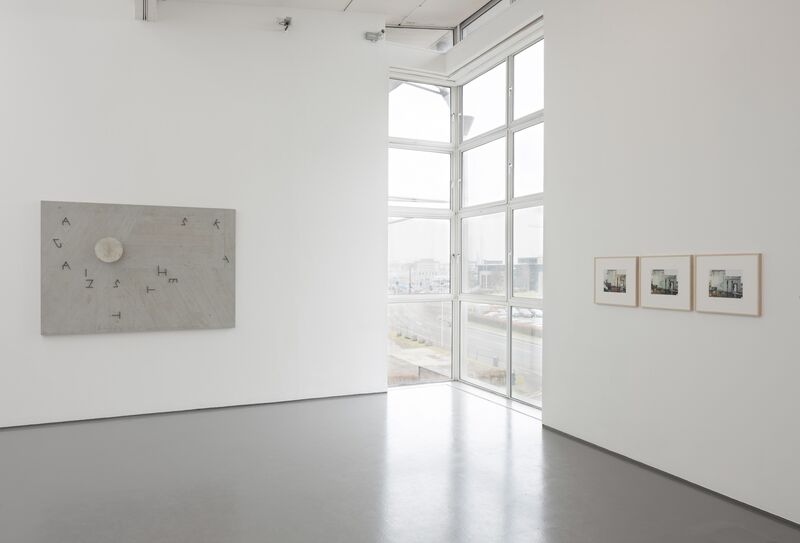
(616, 281)
(728, 284)
(665, 282)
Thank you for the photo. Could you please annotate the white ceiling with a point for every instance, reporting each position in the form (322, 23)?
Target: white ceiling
(418, 12)
(417, 38)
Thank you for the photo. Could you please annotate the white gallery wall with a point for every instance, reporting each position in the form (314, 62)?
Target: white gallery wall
(674, 128)
(210, 106)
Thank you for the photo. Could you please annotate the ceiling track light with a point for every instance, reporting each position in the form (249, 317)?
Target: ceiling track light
(375, 36)
(284, 22)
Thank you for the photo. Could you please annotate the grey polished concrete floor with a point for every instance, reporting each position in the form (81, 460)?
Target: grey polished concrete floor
(422, 464)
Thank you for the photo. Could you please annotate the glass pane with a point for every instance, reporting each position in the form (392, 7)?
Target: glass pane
(526, 355)
(528, 252)
(419, 342)
(484, 173)
(483, 347)
(529, 160)
(529, 80)
(485, 102)
(484, 254)
(419, 256)
(419, 179)
(418, 111)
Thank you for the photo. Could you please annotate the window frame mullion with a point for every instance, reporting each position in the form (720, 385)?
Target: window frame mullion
(509, 220)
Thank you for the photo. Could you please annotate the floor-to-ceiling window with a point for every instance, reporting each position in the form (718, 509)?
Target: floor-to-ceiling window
(420, 233)
(466, 215)
(500, 214)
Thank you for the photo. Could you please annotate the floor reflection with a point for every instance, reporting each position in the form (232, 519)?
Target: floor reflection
(434, 463)
(460, 468)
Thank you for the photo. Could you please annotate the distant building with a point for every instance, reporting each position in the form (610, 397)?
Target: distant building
(491, 275)
(422, 274)
(528, 273)
(419, 277)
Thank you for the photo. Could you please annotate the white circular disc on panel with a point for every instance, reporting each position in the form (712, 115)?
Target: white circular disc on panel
(108, 250)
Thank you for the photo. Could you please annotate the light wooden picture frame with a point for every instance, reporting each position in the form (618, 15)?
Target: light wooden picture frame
(616, 280)
(728, 283)
(666, 282)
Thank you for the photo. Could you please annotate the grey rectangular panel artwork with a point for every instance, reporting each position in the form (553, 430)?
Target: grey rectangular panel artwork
(126, 268)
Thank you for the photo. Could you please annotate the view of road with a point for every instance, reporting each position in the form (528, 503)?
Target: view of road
(420, 337)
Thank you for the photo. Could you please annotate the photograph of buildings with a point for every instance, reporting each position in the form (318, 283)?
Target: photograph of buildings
(664, 282)
(615, 281)
(725, 284)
